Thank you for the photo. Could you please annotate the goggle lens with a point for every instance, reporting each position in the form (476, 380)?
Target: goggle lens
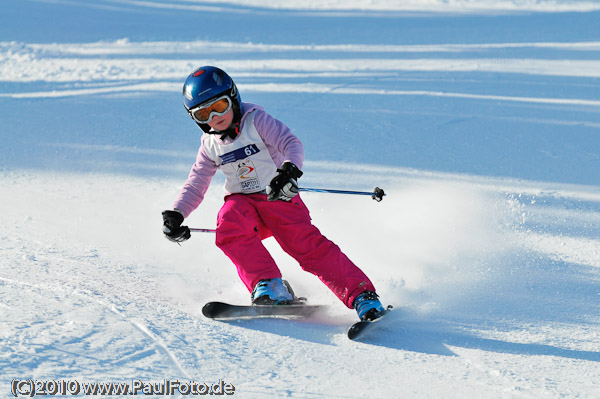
(205, 113)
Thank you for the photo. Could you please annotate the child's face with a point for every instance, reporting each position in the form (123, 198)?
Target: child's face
(220, 123)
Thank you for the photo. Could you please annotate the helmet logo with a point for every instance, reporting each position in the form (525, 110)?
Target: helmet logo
(217, 78)
(198, 73)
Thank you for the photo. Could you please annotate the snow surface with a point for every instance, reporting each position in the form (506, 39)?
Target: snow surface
(480, 119)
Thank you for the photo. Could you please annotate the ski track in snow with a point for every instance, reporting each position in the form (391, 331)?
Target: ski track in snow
(494, 274)
(387, 6)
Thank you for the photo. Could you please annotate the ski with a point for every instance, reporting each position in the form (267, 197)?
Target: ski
(357, 329)
(222, 310)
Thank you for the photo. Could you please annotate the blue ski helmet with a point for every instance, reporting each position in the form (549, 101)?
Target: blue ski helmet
(206, 83)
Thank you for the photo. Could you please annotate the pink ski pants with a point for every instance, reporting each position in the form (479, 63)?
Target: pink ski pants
(246, 219)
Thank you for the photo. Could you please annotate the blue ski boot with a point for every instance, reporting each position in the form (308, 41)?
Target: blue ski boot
(272, 292)
(367, 306)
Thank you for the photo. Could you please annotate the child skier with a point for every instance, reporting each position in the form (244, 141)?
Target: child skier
(261, 160)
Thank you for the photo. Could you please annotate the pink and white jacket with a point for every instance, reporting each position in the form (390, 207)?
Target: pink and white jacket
(249, 161)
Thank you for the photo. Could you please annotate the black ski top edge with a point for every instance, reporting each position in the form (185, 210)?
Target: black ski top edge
(222, 310)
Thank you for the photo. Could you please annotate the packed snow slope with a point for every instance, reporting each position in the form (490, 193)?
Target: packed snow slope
(480, 119)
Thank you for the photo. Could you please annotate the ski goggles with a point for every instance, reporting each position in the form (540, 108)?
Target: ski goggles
(205, 112)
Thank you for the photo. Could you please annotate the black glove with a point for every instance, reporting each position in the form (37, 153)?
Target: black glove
(284, 186)
(172, 227)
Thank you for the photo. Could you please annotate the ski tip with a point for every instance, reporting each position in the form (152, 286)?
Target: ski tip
(355, 330)
(359, 327)
(209, 309)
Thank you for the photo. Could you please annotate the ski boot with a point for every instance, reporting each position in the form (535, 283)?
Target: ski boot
(367, 306)
(273, 291)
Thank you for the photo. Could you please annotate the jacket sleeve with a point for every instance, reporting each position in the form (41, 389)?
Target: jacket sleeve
(283, 145)
(192, 192)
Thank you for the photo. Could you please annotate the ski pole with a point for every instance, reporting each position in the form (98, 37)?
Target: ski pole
(377, 193)
(202, 230)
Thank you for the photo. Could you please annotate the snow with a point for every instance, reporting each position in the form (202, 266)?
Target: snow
(480, 120)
